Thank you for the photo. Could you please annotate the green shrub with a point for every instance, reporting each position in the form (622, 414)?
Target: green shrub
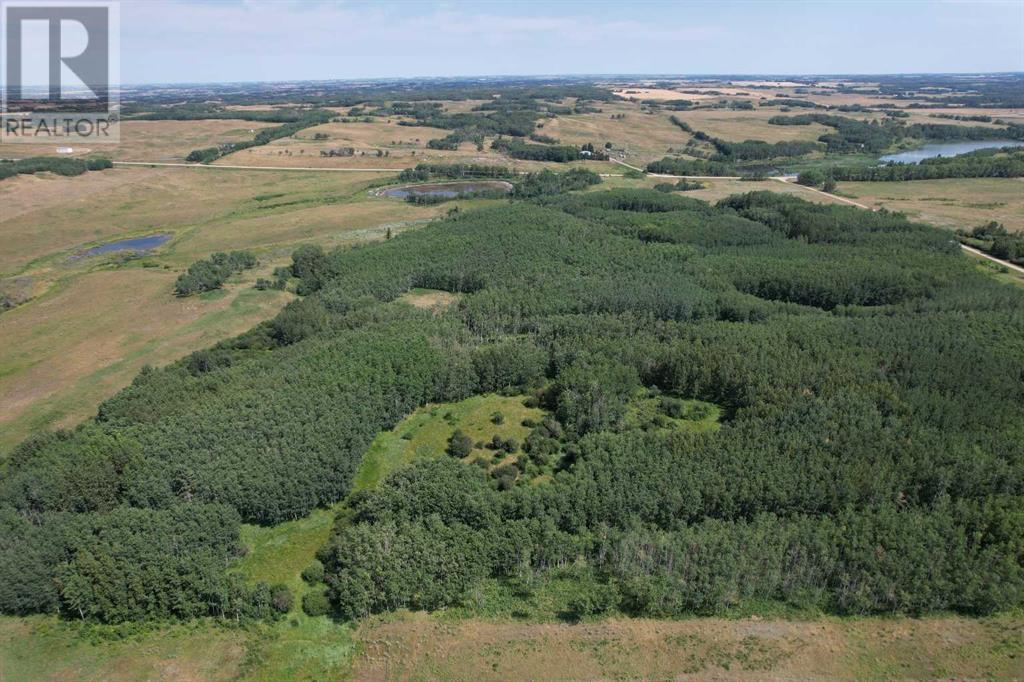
(316, 603)
(314, 573)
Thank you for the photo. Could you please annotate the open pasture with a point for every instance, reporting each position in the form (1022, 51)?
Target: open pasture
(737, 126)
(87, 338)
(413, 646)
(644, 136)
(167, 141)
(96, 321)
(951, 203)
(47, 216)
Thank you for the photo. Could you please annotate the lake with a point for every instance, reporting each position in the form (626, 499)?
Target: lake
(447, 190)
(947, 149)
(135, 244)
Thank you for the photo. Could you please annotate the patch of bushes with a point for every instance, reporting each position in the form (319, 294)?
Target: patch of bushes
(207, 275)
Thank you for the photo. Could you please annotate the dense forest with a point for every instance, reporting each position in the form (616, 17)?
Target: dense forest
(870, 457)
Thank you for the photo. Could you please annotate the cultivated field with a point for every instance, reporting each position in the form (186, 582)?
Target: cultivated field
(157, 140)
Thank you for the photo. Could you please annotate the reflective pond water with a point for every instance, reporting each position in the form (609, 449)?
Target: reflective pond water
(134, 244)
(947, 149)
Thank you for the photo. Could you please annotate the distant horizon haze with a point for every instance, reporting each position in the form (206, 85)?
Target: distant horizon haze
(245, 41)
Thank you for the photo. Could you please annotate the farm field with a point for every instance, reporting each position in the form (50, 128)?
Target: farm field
(644, 136)
(737, 126)
(952, 203)
(159, 140)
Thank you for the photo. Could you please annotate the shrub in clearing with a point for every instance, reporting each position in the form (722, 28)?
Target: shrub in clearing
(316, 603)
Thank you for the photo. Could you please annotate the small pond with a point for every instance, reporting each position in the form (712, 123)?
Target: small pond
(135, 244)
(447, 190)
(947, 149)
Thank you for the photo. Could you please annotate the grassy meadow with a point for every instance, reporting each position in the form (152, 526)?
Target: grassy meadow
(91, 323)
(167, 141)
(952, 203)
(416, 646)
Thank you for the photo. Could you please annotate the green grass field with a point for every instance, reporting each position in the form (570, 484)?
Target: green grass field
(425, 433)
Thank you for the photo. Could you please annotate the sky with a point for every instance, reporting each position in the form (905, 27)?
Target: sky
(174, 41)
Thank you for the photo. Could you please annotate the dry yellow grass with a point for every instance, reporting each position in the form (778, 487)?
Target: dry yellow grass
(328, 224)
(736, 126)
(644, 136)
(405, 145)
(952, 203)
(658, 94)
(43, 649)
(418, 646)
(429, 299)
(156, 140)
(46, 215)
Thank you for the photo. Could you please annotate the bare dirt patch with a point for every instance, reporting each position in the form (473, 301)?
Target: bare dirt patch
(429, 299)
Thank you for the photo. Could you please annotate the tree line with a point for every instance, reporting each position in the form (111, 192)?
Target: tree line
(52, 164)
(310, 118)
